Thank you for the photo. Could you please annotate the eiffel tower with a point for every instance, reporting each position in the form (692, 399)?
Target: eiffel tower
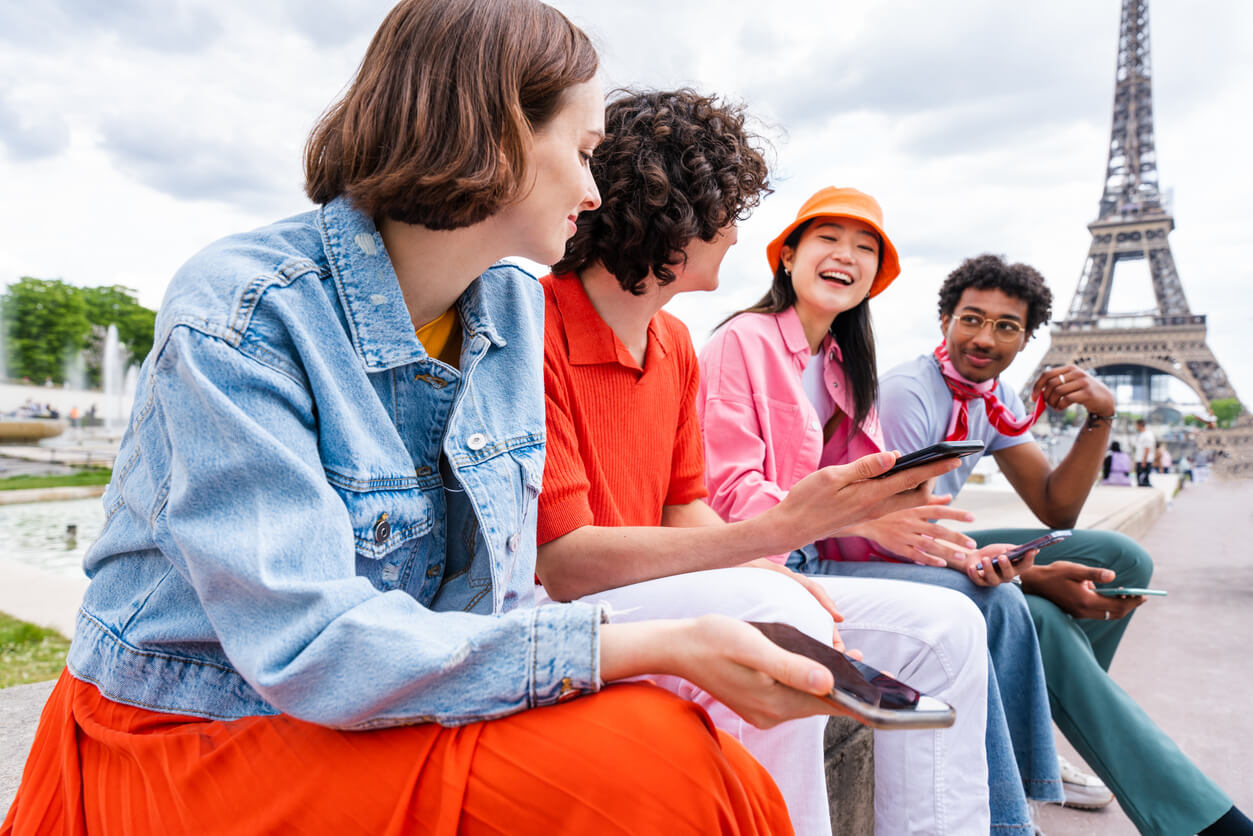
(1134, 224)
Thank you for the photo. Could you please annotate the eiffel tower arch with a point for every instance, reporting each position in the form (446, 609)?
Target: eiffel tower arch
(1134, 224)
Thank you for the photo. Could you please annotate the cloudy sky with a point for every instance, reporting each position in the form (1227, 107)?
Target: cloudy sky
(134, 132)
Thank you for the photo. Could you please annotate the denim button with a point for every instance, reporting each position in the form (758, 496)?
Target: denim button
(424, 470)
(433, 571)
(477, 441)
(382, 530)
(513, 542)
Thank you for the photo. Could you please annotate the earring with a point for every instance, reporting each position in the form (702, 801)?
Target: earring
(787, 272)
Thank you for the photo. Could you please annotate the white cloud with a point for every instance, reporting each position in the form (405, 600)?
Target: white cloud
(134, 132)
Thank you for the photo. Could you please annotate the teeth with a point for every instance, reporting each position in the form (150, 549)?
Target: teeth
(831, 275)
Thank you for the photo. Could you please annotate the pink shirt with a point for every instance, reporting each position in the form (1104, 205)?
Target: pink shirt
(762, 434)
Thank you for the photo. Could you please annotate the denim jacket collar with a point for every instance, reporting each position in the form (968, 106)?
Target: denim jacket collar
(378, 320)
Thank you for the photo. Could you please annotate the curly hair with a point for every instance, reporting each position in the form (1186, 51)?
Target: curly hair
(991, 272)
(674, 166)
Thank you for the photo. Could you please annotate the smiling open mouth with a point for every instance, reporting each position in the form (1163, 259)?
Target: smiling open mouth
(837, 276)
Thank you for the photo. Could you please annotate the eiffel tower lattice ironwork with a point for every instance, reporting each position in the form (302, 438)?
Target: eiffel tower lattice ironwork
(1133, 223)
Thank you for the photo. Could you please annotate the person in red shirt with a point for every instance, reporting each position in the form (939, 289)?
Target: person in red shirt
(622, 515)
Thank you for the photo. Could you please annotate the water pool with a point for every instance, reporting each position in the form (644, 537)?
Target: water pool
(34, 534)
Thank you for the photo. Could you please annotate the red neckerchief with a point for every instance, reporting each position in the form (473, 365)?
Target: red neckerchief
(965, 391)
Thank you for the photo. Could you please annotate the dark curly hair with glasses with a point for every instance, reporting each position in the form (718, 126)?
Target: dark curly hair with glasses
(673, 167)
(992, 272)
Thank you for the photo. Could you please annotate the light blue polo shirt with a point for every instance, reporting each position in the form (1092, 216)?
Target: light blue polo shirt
(915, 406)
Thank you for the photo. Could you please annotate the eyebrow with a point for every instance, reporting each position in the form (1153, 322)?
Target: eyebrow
(982, 312)
(840, 226)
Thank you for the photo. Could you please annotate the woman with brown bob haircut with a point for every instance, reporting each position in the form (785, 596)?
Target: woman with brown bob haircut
(310, 604)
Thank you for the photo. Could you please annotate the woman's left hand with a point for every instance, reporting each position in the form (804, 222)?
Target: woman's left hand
(912, 534)
(986, 567)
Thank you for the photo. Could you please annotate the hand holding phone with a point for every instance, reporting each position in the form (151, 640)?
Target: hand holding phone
(1017, 553)
(872, 697)
(941, 450)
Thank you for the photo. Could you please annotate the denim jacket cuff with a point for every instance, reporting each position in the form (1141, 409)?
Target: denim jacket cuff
(566, 651)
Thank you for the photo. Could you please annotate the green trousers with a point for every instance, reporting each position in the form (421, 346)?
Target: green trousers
(1158, 787)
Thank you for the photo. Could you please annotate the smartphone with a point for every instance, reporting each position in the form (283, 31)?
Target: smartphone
(941, 450)
(1120, 591)
(1017, 553)
(872, 697)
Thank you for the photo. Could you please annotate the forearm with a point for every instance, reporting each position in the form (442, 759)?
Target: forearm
(1071, 481)
(595, 558)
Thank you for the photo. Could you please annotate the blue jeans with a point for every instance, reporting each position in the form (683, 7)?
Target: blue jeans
(1022, 758)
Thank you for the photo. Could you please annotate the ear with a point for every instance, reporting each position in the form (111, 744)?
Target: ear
(787, 255)
(945, 319)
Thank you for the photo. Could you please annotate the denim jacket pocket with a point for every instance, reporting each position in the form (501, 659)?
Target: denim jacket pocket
(389, 529)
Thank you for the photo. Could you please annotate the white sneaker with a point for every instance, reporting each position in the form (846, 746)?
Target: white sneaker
(1083, 791)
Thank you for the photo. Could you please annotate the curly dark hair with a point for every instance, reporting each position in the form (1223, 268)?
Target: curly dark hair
(674, 166)
(991, 272)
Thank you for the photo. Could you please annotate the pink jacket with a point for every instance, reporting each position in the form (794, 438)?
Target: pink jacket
(762, 434)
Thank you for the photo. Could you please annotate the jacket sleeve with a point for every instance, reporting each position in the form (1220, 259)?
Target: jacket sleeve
(249, 518)
(735, 448)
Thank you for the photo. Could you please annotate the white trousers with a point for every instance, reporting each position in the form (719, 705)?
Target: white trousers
(926, 781)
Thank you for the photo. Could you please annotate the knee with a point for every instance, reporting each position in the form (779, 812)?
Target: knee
(964, 634)
(1132, 565)
(763, 595)
(1135, 565)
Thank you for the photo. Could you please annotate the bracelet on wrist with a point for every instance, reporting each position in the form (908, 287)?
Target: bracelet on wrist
(1095, 420)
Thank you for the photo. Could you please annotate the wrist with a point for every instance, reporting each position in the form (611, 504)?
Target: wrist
(638, 648)
(1033, 578)
(1098, 419)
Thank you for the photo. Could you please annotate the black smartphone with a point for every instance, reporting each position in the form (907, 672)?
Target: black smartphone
(870, 696)
(941, 450)
(1017, 553)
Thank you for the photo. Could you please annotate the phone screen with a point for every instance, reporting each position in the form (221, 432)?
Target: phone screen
(941, 450)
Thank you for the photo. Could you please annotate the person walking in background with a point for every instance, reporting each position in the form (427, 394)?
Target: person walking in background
(1144, 445)
(1116, 469)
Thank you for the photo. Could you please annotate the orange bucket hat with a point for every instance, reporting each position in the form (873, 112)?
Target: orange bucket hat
(844, 203)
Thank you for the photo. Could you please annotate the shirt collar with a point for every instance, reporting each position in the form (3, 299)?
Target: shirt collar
(378, 320)
(589, 338)
(793, 334)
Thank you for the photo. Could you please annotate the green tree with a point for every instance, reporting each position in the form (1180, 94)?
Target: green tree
(1226, 410)
(45, 322)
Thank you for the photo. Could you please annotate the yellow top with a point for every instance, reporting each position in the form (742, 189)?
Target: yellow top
(441, 337)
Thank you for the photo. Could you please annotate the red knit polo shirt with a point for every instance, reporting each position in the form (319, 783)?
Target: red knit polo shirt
(623, 441)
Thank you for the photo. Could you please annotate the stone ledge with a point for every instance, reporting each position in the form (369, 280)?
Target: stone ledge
(848, 746)
(19, 714)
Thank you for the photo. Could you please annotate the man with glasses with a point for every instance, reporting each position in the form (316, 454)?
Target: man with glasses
(988, 310)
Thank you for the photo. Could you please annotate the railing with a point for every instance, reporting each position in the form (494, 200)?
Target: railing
(1127, 321)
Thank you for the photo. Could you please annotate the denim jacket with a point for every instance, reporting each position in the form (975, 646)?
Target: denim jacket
(279, 535)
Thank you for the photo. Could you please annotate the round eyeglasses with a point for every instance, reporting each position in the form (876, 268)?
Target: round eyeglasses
(1004, 330)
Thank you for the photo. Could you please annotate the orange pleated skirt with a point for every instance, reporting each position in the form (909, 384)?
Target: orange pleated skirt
(633, 759)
